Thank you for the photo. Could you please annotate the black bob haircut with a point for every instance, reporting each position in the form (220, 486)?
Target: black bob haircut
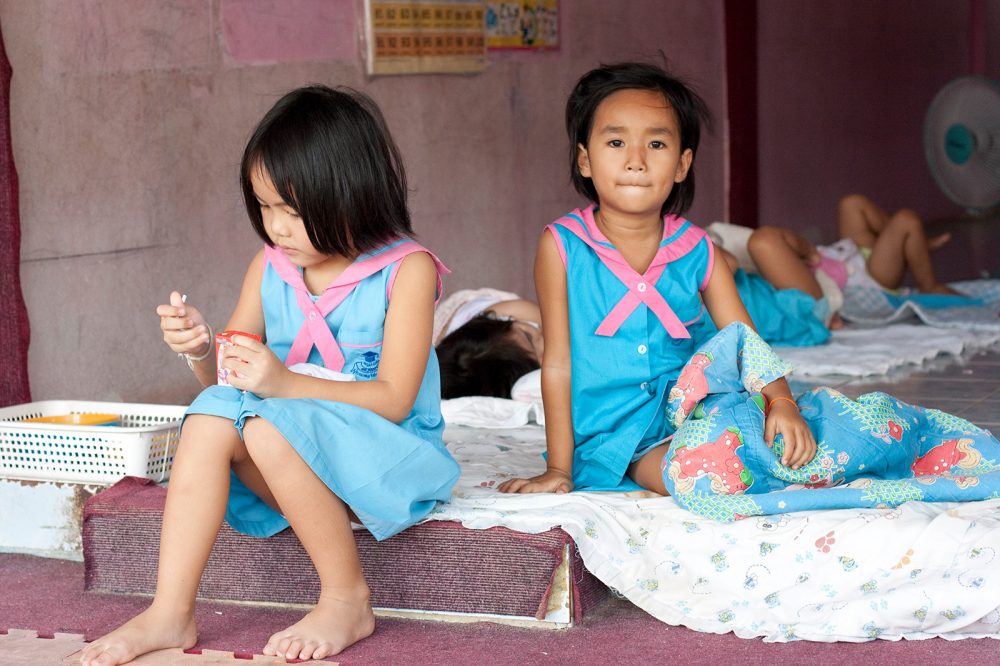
(480, 358)
(330, 156)
(598, 84)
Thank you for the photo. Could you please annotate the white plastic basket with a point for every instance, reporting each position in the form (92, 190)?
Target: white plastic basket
(142, 445)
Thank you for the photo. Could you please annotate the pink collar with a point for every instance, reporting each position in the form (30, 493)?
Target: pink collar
(679, 238)
(315, 331)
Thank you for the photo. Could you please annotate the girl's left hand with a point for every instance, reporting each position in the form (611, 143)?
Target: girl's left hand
(800, 445)
(254, 367)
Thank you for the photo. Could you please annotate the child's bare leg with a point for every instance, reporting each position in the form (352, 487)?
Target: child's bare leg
(646, 471)
(776, 252)
(724, 255)
(860, 219)
(343, 614)
(934, 242)
(903, 244)
(196, 502)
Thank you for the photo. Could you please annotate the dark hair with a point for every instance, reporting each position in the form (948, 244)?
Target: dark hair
(598, 84)
(481, 358)
(331, 157)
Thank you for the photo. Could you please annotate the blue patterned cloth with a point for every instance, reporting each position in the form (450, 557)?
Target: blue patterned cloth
(875, 451)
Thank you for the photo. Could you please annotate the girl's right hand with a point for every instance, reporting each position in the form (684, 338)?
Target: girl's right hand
(184, 328)
(551, 481)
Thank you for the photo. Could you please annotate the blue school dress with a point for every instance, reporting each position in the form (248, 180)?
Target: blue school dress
(783, 317)
(630, 335)
(872, 452)
(391, 475)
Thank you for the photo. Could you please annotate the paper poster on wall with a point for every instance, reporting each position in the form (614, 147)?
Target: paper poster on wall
(425, 36)
(522, 24)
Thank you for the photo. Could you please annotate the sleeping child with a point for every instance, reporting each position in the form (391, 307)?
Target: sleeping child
(486, 339)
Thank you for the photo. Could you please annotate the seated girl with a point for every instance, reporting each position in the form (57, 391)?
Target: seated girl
(641, 392)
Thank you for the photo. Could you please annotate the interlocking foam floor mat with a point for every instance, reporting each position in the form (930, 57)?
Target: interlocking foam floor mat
(20, 647)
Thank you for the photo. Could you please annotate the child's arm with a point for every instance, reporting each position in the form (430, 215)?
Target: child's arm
(520, 309)
(550, 283)
(405, 348)
(725, 307)
(186, 331)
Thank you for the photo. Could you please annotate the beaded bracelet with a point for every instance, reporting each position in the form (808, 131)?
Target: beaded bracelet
(780, 397)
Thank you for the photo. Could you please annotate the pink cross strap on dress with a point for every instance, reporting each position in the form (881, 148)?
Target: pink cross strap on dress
(315, 332)
(641, 288)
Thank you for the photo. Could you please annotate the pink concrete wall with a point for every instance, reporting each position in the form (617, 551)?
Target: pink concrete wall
(128, 118)
(844, 86)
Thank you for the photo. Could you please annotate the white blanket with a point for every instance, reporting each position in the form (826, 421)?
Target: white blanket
(918, 571)
(860, 352)
(479, 411)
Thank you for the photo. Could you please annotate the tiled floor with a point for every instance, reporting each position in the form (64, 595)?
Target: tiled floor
(966, 387)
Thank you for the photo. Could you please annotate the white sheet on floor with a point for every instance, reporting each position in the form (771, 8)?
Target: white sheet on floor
(861, 352)
(917, 571)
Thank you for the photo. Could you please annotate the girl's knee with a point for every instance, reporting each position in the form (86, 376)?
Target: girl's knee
(850, 202)
(209, 433)
(764, 238)
(906, 220)
(732, 263)
(263, 442)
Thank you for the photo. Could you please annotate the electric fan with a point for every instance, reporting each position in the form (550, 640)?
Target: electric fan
(962, 142)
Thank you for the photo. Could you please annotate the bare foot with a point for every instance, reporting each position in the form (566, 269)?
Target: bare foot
(150, 630)
(937, 241)
(942, 289)
(836, 322)
(329, 628)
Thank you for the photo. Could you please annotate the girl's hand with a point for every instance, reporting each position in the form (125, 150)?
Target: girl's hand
(184, 328)
(255, 368)
(800, 446)
(551, 481)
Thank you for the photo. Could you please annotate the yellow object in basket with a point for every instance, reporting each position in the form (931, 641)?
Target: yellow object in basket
(78, 419)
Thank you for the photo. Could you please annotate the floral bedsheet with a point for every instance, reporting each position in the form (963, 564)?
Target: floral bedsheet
(919, 570)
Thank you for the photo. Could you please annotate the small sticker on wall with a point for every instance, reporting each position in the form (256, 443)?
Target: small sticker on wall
(522, 25)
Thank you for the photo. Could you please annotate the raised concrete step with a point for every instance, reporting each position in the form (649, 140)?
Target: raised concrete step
(438, 568)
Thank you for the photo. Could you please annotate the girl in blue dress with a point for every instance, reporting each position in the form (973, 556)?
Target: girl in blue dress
(626, 288)
(339, 292)
(639, 387)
